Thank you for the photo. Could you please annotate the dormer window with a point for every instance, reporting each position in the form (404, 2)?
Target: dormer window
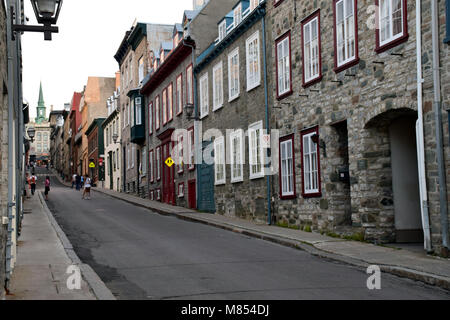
(254, 4)
(222, 30)
(175, 40)
(161, 59)
(238, 14)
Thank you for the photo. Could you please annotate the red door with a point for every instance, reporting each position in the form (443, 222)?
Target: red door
(192, 195)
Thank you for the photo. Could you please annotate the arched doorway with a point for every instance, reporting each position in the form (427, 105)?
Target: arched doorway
(405, 180)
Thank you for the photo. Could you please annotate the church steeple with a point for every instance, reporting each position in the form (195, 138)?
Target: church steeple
(41, 112)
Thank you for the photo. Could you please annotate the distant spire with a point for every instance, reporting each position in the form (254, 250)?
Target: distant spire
(41, 96)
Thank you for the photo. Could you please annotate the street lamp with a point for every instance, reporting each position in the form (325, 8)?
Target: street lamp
(47, 13)
(31, 133)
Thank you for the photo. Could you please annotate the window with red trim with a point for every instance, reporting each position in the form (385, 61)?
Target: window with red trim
(287, 167)
(392, 24)
(312, 62)
(345, 34)
(311, 185)
(158, 163)
(157, 112)
(283, 65)
(170, 102)
(150, 118)
(179, 95)
(181, 190)
(164, 107)
(189, 85)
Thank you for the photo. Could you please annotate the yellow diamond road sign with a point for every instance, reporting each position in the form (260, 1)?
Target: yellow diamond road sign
(92, 165)
(169, 162)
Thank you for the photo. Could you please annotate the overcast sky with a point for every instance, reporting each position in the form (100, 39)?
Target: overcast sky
(90, 32)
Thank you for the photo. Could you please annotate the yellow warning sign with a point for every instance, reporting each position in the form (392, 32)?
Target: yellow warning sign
(92, 165)
(169, 162)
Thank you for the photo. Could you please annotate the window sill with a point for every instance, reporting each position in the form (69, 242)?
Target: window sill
(312, 195)
(290, 197)
(218, 107)
(311, 82)
(192, 169)
(259, 176)
(254, 86)
(347, 65)
(222, 183)
(233, 98)
(284, 95)
(392, 44)
(277, 3)
(237, 180)
(203, 116)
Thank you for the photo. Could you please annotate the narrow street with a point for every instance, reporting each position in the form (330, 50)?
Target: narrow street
(143, 255)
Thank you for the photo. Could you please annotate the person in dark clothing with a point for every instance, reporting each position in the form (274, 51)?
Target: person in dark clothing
(78, 182)
(47, 187)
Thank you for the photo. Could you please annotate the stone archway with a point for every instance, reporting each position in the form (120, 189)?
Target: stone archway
(393, 176)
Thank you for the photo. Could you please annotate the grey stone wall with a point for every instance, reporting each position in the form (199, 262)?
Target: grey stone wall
(370, 95)
(3, 144)
(247, 199)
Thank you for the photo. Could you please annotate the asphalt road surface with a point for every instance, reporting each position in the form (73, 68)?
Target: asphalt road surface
(140, 254)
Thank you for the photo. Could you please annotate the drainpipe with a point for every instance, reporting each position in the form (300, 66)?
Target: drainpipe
(11, 92)
(420, 135)
(438, 123)
(266, 100)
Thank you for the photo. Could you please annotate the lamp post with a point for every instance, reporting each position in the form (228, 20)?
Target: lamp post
(189, 108)
(31, 133)
(47, 13)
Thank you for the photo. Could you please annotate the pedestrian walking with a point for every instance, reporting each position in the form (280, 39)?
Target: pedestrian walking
(87, 188)
(78, 182)
(33, 181)
(47, 187)
(74, 180)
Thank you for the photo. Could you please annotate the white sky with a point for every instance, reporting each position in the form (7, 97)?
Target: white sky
(90, 32)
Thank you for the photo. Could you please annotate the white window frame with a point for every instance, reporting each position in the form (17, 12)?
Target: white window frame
(138, 105)
(128, 158)
(309, 52)
(151, 166)
(219, 160)
(222, 30)
(141, 69)
(237, 15)
(191, 137)
(284, 65)
(204, 96)
(157, 112)
(233, 79)
(218, 86)
(389, 12)
(181, 192)
(150, 117)
(237, 161)
(170, 102)
(253, 61)
(345, 36)
(310, 173)
(254, 128)
(287, 168)
(189, 85)
(180, 145)
(254, 4)
(133, 156)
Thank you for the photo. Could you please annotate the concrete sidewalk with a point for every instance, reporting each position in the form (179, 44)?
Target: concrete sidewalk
(43, 258)
(413, 265)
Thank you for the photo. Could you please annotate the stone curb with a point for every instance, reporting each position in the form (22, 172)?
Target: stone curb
(96, 285)
(427, 278)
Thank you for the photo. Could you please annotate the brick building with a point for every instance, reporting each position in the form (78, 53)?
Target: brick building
(75, 133)
(234, 113)
(96, 151)
(346, 96)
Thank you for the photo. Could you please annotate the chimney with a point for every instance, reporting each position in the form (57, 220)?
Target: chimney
(117, 80)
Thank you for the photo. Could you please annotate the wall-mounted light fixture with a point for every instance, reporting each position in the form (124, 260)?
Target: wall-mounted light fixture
(47, 13)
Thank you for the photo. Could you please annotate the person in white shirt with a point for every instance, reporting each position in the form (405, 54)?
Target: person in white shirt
(74, 180)
(87, 188)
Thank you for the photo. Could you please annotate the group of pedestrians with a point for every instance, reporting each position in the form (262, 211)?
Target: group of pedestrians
(82, 182)
(32, 181)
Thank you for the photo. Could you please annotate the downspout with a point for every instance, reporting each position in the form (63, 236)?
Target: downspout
(420, 135)
(266, 100)
(11, 93)
(438, 123)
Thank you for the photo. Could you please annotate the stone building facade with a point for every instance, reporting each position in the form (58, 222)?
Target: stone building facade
(133, 57)
(3, 145)
(234, 111)
(350, 118)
